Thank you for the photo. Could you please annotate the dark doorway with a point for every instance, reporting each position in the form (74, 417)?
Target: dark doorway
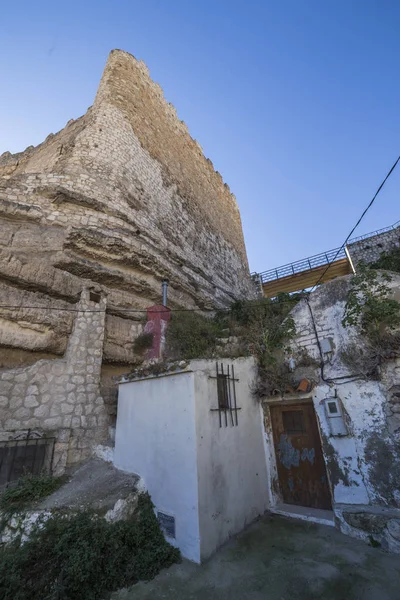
(300, 463)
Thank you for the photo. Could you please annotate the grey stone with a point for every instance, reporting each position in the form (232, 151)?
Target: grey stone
(394, 528)
(22, 413)
(32, 390)
(366, 521)
(31, 401)
(63, 435)
(12, 424)
(7, 376)
(21, 377)
(5, 386)
(52, 423)
(16, 402)
(42, 411)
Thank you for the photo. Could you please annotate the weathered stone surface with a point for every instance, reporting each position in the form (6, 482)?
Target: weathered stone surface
(366, 521)
(394, 528)
(122, 198)
(45, 397)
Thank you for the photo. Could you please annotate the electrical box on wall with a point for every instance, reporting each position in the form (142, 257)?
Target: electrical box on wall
(335, 417)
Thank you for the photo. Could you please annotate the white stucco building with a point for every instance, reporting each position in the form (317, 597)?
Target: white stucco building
(196, 439)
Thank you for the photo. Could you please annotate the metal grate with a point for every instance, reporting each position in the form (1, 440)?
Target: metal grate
(27, 453)
(226, 394)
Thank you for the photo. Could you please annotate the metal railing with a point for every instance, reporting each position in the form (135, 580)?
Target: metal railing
(373, 233)
(318, 260)
(29, 453)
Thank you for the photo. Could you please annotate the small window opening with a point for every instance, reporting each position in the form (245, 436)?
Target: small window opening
(222, 389)
(94, 297)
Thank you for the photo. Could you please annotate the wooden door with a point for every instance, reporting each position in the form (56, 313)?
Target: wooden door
(300, 463)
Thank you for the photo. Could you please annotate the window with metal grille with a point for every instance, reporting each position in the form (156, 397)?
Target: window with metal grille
(223, 392)
(293, 422)
(28, 453)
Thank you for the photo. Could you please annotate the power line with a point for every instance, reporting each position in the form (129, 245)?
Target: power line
(144, 310)
(357, 224)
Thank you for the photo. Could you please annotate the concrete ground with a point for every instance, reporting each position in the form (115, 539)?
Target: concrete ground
(281, 559)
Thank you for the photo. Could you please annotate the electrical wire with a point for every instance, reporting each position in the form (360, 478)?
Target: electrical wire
(144, 310)
(357, 224)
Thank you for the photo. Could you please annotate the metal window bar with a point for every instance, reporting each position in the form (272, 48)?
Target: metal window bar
(226, 395)
(27, 455)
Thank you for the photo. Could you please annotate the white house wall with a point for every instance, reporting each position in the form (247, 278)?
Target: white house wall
(364, 466)
(156, 439)
(233, 485)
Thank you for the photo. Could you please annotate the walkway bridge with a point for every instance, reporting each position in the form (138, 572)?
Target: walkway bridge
(304, 274)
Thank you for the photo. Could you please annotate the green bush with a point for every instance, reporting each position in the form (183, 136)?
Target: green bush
(29, 488)
(389, 260)
(83, 557)
(190, 335)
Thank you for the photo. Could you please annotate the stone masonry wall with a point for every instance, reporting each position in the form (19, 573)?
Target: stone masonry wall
(119, 199)
(61, 398)
(370, 249)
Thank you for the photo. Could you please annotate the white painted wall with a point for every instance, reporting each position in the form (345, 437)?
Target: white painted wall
(230, 460)
(156, 439)
(363, 400)
(212, 479)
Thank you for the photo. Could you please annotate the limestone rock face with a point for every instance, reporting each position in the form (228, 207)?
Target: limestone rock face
(118, 200)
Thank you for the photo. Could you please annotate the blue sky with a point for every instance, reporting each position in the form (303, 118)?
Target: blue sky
(296, 102)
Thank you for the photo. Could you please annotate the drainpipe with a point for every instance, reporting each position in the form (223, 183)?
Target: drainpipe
(164, 291)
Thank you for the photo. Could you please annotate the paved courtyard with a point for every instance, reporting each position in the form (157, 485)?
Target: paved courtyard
(281, 559)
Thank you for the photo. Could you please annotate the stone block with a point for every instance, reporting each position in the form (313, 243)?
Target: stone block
(31, 401)
(3, 401)
(12, 424)
(16, 402)
(92, 421)
(32, 390)
(22, 413)
(21, 377)
(7, 376)
(369, 522)
(42, 411)
(52, 423)
(19, 390)
(393, 527)
(67, 409)
(5, 386)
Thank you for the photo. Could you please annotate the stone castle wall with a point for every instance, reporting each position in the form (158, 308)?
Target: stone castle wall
(61, 398)
(119, 199)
